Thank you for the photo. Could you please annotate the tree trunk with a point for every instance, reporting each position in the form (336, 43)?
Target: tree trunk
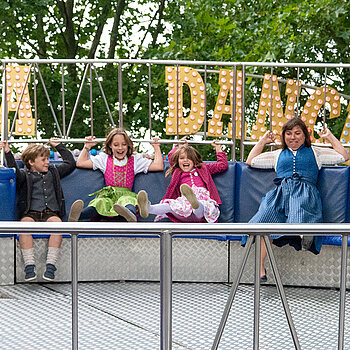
(66, 10)
(101, 24)
(41, 37)
(159, 23)
(115, 29)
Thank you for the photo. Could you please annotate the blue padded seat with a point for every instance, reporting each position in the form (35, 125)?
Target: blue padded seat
(333, 184)
(251, 185)
(81, 182)
(7, 194)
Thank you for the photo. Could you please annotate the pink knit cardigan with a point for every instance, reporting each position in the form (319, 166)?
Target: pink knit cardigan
(204, 172)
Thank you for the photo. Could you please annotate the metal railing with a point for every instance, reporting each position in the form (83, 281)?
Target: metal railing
(90, 67)
(165, 232)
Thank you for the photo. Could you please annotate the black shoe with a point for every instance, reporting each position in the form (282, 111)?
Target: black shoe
(306, 242)
(30, 274)
(263, 278)
(49, 273)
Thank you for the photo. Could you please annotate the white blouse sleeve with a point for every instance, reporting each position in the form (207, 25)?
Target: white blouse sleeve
(99, 162)
(141, 164)
(266, 160)
(327, 156)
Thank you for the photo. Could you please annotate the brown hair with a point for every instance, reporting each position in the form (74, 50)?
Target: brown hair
(191, 153)
(109, 139)
(32, 152)
(292, 123)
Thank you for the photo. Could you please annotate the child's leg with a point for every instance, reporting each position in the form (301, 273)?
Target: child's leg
(26, 244)
(27, 249)
(126, 212)
(143, 203)
(89, 214)
(199, 213)
(55, 242)
(190, 196)
(75, 210)
(160, 209)
(147, 208)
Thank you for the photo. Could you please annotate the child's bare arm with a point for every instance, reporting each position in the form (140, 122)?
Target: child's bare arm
(83, 161)
(5, 145)
(157, 164)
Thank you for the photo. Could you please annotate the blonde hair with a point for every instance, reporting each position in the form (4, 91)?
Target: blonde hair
(191, 153)
(109, 139)
(32, 152)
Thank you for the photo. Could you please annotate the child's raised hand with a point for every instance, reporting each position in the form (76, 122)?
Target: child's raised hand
(155, 143)
(90, 142)
(4, 145)
(53, 142)
(216, 146)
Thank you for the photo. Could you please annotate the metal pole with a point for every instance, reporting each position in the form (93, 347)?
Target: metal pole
(120, 94)
(74, 255)
(298, 92)
(243, 114)
(343, 268)
(63, 103)
(91, 104)
(149, 101)
(271, 99)
(166, 290)
(324, 97)
(177, 101)
(257, 292)
(4, 123)
(104, 96)
(49, 101)
(35, 103)
(205, 102)
(77, 100)
(281, 292)
(234, 288)
(233, 114)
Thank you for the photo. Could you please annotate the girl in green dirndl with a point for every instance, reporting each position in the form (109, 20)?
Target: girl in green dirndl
(119, 164)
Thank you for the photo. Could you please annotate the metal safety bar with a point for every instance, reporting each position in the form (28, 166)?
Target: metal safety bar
(165, 231)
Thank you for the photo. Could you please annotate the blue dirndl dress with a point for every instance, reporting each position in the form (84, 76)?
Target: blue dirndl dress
(295, 199)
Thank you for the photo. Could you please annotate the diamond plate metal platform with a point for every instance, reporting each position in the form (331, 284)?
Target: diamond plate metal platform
(7, 258)
(125, 316)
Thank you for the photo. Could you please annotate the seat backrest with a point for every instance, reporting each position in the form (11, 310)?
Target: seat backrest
(7, 194)
(333, 184)
(250, 186)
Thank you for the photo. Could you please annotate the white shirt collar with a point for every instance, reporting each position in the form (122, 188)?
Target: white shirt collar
(120, 162)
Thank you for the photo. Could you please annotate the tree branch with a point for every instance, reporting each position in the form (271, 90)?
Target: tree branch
(159, 23)
(41, 37)
(66, 10)
(101, 24)
(115, 29)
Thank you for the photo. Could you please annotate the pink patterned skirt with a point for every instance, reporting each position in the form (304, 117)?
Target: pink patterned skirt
(183, 209)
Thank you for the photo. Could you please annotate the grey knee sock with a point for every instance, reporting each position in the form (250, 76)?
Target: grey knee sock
(28, 256)
(52, 255)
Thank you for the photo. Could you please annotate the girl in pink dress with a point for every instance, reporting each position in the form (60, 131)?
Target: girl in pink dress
(119, 164)
(191, 195)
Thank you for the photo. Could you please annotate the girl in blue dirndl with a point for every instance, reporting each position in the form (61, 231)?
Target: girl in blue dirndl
(295, 199)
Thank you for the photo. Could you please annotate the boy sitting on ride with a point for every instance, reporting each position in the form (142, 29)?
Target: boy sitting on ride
(41, 199)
